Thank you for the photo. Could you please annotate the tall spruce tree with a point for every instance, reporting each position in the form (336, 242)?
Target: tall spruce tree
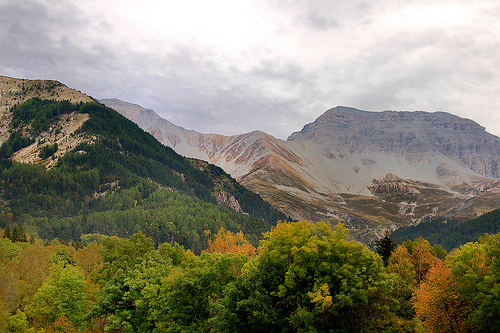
(385, 246)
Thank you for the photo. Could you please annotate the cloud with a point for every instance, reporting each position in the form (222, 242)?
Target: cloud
(320, 21)
(232, 67)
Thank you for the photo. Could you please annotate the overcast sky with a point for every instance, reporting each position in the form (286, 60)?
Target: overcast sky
(233, 66)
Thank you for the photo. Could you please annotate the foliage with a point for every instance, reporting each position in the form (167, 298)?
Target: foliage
(14, 142)
(307, 277)
(422, 256)
(438, 303)
(163, 290)
(162, 215)
(15, 233)
(227, 242)
(464, 294)
(18, 323)
(130, 269)
(404, 281)
(40, 114)
(187, 296)
(47, 151)
(62, 294)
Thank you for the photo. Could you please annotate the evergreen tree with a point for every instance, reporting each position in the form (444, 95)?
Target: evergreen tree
(385, 246)
(7, 233)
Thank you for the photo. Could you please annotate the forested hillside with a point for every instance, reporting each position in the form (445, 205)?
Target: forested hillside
(116, 181)
(451, 234)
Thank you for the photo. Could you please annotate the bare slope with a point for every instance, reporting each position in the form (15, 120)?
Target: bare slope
(15, 91)
(372, 170)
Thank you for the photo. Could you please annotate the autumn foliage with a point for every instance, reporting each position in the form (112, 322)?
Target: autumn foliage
(306, 277)
(227, 242)
(438, 303)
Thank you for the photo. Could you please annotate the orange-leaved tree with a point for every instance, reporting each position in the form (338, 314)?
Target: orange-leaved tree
(422, 256)
(438, 303)
(227, 242)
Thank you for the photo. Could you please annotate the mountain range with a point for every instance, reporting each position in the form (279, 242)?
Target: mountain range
(70, 166)
(371, 170)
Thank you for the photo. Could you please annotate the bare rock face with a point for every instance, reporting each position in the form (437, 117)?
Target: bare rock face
(228, 200)
(409, 134)
(15, 91)
(370, 170)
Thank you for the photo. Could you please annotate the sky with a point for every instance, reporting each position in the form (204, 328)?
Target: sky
(234, 66)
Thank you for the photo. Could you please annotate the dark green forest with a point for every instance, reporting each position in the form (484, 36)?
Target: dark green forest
(451, 233)
(120, 182)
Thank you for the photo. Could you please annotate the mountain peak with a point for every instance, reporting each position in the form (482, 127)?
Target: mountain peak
(372, 170)
(342, 118)
(410, 134)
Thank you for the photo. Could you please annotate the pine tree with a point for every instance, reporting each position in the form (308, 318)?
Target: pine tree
(385, 246)
(7, 233)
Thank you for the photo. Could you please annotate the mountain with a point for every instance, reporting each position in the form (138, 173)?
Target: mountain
(372, 170)
(71, 166)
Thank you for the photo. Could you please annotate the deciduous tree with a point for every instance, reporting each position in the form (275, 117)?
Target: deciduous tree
(307, 278)
(404, 280)
(227, 242)
(438, 303)
(63, 294)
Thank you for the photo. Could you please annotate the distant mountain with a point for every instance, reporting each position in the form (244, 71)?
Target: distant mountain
(411, 135)
(70, 166)
(372, 170)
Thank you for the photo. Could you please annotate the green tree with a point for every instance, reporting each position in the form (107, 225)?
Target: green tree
(121, 257)
(18, 323)
(404, 281)
(385, 246)
(307, 278)
(476, 267)
(63, 294)
(188, 294)
(132, 305)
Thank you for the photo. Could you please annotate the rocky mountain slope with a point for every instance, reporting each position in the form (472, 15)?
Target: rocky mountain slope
(372, 170)
(16, 91)
(64, 156)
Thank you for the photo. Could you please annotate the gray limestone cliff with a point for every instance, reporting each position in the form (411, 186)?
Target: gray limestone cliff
(410, 134)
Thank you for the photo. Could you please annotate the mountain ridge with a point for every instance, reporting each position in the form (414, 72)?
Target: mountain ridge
(336, 167)
(111, 170)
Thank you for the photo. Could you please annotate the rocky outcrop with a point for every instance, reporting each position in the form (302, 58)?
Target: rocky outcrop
(228, 200)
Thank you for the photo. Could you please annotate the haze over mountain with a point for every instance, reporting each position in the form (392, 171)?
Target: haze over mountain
(372, 170)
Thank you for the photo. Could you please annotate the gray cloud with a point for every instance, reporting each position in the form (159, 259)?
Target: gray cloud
(326, 53)
(320, 20)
